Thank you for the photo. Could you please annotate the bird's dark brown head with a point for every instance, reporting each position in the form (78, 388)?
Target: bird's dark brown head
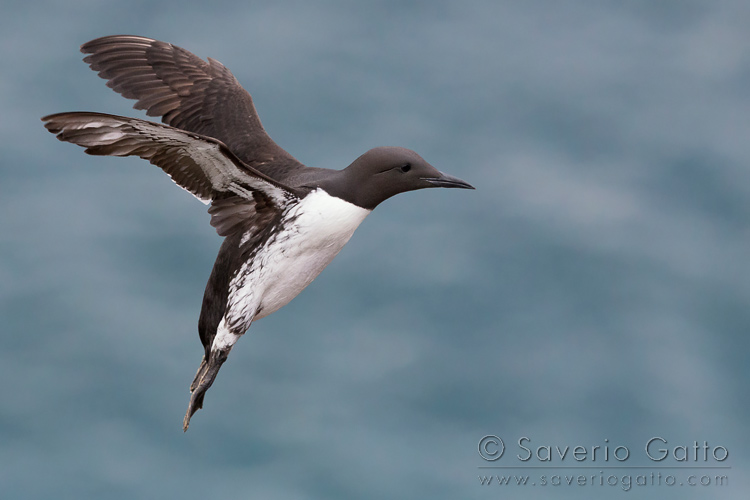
(387, 171)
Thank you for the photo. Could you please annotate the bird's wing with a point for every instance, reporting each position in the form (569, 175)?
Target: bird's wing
(241, 197)
(188, 93)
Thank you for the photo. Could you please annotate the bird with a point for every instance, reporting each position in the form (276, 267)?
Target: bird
(282, 222)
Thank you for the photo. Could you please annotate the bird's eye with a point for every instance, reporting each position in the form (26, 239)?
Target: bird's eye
(405, 167)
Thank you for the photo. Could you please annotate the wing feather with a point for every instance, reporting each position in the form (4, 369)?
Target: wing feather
(188, 93)
(242, 198)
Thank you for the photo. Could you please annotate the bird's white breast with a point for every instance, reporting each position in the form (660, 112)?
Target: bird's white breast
(312, 233)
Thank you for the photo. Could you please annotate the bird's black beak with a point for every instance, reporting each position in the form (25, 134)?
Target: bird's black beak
(448, 181)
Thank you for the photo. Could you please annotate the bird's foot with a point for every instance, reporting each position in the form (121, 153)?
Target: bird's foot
(203, 379)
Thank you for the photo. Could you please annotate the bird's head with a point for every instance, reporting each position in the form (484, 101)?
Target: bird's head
(387, 171)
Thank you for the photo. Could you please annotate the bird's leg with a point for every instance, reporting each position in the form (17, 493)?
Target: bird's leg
(208, 370)
(199, 374)
(203, 380)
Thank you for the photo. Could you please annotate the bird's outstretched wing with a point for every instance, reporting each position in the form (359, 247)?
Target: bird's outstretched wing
(241, 197)
(188, 93)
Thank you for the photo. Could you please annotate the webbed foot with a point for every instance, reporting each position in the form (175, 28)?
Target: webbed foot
(203, 379)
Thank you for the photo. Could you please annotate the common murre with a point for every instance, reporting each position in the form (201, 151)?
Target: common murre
(283, 222)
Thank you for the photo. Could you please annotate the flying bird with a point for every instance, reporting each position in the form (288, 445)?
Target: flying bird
(282, 222)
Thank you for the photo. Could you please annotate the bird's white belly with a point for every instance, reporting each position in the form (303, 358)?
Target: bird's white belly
(288, 263)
